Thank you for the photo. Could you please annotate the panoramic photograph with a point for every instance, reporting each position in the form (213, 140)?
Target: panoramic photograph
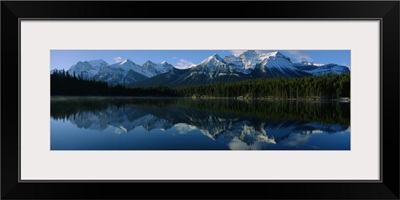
(200, 100)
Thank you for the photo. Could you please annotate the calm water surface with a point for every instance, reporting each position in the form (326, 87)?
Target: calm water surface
(186, 124)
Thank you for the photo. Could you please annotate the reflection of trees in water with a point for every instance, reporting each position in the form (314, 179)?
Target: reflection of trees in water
(326, 112)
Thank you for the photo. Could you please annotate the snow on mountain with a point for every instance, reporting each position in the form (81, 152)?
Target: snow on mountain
(278, 65)
(233, 60)
(211, 70)
(306, 63)
(212, 65)
(148, 69)
(215, 69)
(250, 64)
(154, 69)
(236, 64)
(320, 69)
(247, 62)
(333, 69)
(250, 59)
(125, 72)
(87, 69)
(212, 60)
(127, 65)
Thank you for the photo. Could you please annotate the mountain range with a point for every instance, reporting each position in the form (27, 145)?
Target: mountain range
(214, 69)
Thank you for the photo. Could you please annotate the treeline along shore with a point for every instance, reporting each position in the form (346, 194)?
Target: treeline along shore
(310, 87)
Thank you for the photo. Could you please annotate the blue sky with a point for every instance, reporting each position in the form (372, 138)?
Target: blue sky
(63, 59)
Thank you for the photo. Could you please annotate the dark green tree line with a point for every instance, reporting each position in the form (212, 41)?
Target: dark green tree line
(65, 84)
(328, 86)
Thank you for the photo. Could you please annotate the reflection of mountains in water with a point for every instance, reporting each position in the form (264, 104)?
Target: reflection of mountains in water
(230, 125)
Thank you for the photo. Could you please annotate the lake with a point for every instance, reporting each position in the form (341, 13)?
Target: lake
(91, 123)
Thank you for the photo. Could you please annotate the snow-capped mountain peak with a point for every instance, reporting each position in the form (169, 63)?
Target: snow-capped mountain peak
(213, 66)
(121, 64)
(276, 54)
(154, 69)
(249, 59)
(86, 69)
(213, 62)
(214, 57)
(125, 65)
(127, 61)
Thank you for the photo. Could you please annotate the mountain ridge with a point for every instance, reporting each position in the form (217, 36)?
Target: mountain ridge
(214, 69)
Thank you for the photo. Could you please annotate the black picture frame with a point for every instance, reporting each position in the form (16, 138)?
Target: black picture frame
(386, 11)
